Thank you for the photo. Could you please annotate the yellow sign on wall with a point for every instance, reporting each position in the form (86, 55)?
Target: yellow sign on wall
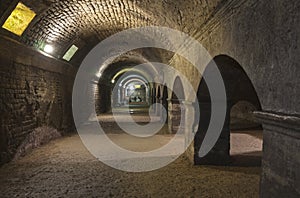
(19, 19)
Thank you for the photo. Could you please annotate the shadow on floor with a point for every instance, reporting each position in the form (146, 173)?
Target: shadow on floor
(252, 159)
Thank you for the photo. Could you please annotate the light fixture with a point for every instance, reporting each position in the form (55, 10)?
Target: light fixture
(113, 81)
(70, 53)
(98, 74)
(48, 49)
(19, 19)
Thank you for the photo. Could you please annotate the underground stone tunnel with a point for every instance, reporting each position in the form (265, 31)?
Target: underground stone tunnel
(252, 45)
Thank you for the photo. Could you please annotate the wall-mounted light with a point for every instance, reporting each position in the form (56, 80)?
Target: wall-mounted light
(113, 81)
(19, 19)
(48, 49)
(131, 88)
(70, 53)
(98, 74)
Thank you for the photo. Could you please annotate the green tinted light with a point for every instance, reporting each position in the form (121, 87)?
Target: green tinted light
(70, 53)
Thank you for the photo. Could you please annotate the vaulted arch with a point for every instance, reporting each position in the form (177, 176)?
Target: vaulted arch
(238, 88)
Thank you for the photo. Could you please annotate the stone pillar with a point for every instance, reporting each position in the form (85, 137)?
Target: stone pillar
(219, 155)
(158, 108)
(169, 102)
(164, 115)
(153, 100)
(281, 155)
(189, 128)
(175, 115)
(181, 118)
(97, 99)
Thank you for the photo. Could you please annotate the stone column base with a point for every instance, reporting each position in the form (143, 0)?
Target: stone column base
(281, 155)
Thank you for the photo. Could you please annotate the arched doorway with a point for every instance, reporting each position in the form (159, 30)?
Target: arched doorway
(130, 90)
(242, 100)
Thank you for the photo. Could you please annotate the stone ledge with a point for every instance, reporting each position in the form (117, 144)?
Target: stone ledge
(286, 124)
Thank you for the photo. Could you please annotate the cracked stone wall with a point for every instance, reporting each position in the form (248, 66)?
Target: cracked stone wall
(31, 98)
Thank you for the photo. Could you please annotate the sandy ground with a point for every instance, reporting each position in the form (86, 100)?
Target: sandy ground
(64, 168)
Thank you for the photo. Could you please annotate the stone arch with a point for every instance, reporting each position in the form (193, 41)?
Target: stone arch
(109, 91)
(177, 85)
(158, 91)
(238, 88)
(126, 93)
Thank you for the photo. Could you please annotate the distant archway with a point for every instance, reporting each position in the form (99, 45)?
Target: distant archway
(179, 96)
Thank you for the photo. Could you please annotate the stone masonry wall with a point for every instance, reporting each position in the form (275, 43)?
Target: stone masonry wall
(262, 36)
(35, 94)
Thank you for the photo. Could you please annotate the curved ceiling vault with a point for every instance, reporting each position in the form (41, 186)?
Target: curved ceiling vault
(87, 22)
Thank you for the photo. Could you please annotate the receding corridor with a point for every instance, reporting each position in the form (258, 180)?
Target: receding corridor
(150, 98)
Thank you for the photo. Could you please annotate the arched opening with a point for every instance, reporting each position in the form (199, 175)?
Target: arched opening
(124, 84)
(240, 142)
(179, 94)
(175, 108)
(131, 90)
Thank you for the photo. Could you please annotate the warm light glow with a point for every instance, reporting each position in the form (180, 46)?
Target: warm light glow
(48, 49)
(19, 19)
(99, 74)
(113, 81)
(70, 53)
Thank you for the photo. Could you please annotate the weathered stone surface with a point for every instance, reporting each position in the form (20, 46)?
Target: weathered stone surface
(281, 160)
(31, 97)
(36, 138)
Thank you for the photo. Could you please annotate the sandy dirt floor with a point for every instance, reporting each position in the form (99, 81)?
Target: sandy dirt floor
(64, 168)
